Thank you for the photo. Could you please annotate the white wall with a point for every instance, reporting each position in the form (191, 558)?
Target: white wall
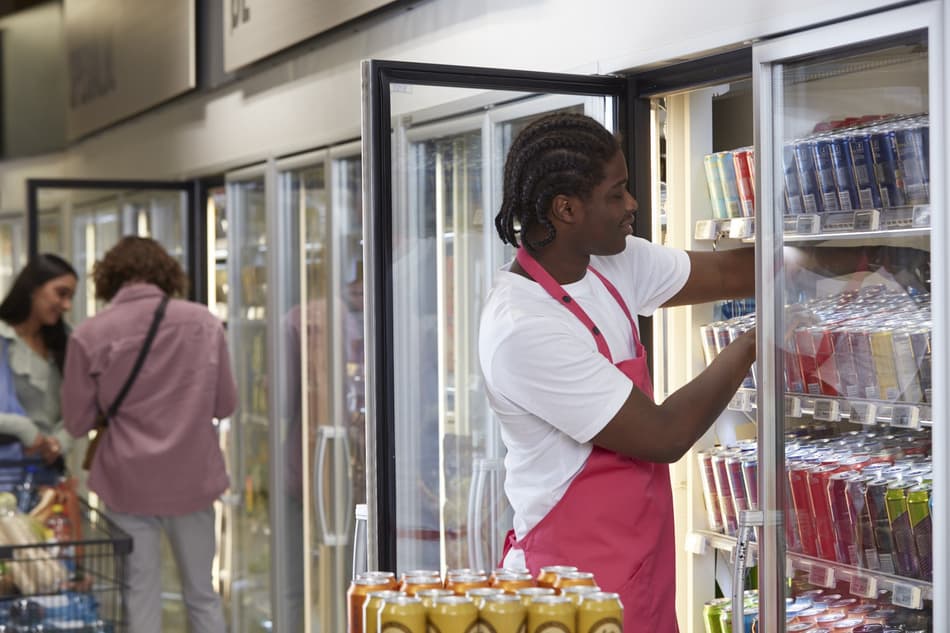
(315, 99)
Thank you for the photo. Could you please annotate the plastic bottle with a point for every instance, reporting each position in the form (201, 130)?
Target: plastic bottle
(26, 490)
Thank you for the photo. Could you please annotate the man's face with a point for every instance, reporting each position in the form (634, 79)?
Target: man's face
(609, 211)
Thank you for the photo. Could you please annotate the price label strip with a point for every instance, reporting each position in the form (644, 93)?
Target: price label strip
(922, 215)
(741, 228)
(863, 412)
(867, 220)
(905, 417)
(827, 410)
(706, 230)
(822, 576)
(864, 586)
(907, 596)
(793, 407)
(808, 224)
(789, 567)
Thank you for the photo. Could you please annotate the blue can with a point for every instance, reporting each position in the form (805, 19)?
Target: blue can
(865, 180)
(848, 199)
(825, 172)
(793, 190)
(887, 167)
(910, 152)
(808, 177)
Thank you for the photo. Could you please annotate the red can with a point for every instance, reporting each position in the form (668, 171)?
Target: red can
(740, 497)
(846, 550)
(825, 363)
(805, 350)
(744, 181)
(798, 484)
(863, 528)
(818, 479)
(727, 508)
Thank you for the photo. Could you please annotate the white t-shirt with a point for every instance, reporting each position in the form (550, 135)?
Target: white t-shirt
(549, 386)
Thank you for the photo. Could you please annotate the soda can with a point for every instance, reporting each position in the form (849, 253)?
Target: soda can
(863, 527)
(846, 550)
(818, 479)
(551, 613)
(793, 189)
(744, 182)
(920, 342)
(860, 339)
(910, 152)
(600, 612)
(825, 172)
(843, 359)
(798, 485)
(730, 189)
(363, 585)
(708, 337)
(876, 498)
(711, 499)
(750, 477)
(529, 594)
(808, 177)
(919, 499)
(479, 594)
(503, 614)
(418, 573)
(794, 380)
(882, 352)
(574, 579)
(547, 575)
(374, 602)
(905, 365)
(727, 508)
(865, 179)
(452, 614)
(429, 596)
(825, 361)
(736, 483)
(848, 199)
(887, 167)
(493, 577)
(413, 584)
(402, 614)
(511, 582)
(908, 563)
(577, 593)
(712, 611)
(714, 187)
(463, 583)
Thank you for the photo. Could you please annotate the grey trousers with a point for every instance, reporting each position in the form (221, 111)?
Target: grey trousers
(191, 537)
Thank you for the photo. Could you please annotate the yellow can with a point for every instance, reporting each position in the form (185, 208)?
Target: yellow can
(429, 596)
(600, 612)
(578, 593)
(552, 614)
(479, 594)
(502, 614)
(511, 582)
(363, 585)
(506, 570)
(418, 573)
(415, 584)
(463, 583)
(453, 614)
(574, 579)
(375, 601)
(548, 575)
(402, 614)
(528, 594)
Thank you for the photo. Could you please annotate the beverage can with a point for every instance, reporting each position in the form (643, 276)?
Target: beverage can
(600, 612)
(737, 483)
(452, 614)
(848, 198)
(511, 582)
(875, 495)
(714, 187)
(551, 613)
(865, 179)
(503, 614)
(574, 579)
(727, 508)
(479, 594)
(905, 549)
(750, 476)
(843, 358)
(801, 500)
(887, 167)
(817, 489)
(413, 584)
(712, 612)
(808, 176)
(363, 585)
(793, 190)
(905, 365)
(493, 577)
(374, 602)
(402, 614)
(864, 529)
(910, 152)
(847, 624)
(547, 575)
(711, 499)
(744, 181)
(846, 550)
(730, 189)
(882, 353)
(429, 596)
(578, 592)
(918, 508)
(463, 583)
(825, 173)
(529, 594)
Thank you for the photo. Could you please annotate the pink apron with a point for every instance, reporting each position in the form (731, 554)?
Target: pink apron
(616, 517)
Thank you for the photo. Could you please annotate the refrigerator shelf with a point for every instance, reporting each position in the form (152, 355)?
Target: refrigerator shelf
(901, 221)
(905, 592)
(830, 409)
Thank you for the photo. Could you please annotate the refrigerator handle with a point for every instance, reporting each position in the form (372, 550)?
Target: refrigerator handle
(343, 537)
(324, 435)
(748, 521)
(474, 514)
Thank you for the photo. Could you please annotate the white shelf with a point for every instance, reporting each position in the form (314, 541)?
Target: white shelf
(905, 592)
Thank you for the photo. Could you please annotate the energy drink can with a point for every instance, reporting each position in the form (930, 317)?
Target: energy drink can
(503, 614)
(462, 583)
(374, 602)
(579, 592)
(750, 476)
(552, 613)
(843, 358)
(429, 596)
(848, 198)
(714, 187)
(744, 181)
(740, 497)
(793, 189)
(882, 352)
(863, 358)
(812, 201)
(479, 594)
(511, 582)
(918, 508)
(865, 179)
(905, 365)
(805, 349)
(920, 342)
(530, 594)
(600, 612)
(730, 189)
(910, 151)
(547, 575)
(846, 550)
(710, 497)
(413, 584)
(798, 485)
(712, 612)
(727, 508)
(825, 172)
(825, 361)
(876, 500)
(452, 614)
(360, 588)
(887, 167)
(710, 350)
(402, 614)
(908, 563)
(818, 479)
(574, 579)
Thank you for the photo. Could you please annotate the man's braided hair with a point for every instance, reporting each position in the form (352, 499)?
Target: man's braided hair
(561, 153)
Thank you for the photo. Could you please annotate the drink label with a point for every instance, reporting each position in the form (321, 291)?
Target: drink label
(864, 586)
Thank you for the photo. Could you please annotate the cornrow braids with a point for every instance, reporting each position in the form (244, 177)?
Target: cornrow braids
(559, 154)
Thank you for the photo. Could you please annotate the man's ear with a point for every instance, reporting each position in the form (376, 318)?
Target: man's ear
(564, 209)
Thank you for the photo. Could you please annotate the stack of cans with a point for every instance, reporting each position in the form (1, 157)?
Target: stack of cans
(730, 180)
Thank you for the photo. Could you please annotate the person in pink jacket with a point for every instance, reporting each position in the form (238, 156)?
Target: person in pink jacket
(158, 467)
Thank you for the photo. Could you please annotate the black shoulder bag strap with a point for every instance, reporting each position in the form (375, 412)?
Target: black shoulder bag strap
(102, 420)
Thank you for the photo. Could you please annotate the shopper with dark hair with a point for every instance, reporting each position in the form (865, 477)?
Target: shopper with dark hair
(33, 343)
(158, 467)
(588, 448)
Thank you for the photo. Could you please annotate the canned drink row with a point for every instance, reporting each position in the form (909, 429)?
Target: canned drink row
(816, 607)
(879, 165)
(730, 181)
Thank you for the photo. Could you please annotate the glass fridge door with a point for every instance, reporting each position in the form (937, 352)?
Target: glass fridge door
(851, 443)
(12, 249)
(436, 139)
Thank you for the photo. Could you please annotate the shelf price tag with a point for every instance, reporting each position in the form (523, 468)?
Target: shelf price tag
(793, 407)
(822, 576)
(706, 230)
(906, 417)
(921, 216)
(742, 401)
(863, 412)
(741, 228)
(789, 567)
(827, 410)
(907, 596)
(867, 220)
(864, 586)
(808, 224)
